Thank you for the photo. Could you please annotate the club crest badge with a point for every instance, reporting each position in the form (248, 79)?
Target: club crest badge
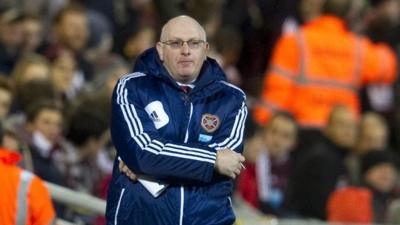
(209, 122)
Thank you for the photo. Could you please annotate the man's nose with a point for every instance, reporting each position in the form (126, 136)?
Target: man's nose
(185, 50)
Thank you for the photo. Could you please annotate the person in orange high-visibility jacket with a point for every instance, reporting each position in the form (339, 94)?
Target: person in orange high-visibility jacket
(24, 200)
(319, 66)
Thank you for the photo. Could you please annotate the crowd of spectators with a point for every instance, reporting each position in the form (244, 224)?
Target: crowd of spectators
(60, 60)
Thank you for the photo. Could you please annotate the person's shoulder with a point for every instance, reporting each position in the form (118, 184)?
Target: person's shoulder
(132, 77)
(233, 90)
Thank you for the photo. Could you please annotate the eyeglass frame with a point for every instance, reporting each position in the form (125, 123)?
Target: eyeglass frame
(182, 42)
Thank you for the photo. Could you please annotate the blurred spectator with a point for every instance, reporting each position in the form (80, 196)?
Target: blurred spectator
(71, 33)
(263, 183)
(33, 32)
(379, 169)
(107, 79)
(30, 67)
(11, 38)
(24, 197)
(100, 43)
(137, 42)
(6, 98)
(381, 20)
(86, 132)
(322, 168)
(319, 65)
(33, 91)
(372, 136)
(65, 78)
(228, 44)
(43, 134)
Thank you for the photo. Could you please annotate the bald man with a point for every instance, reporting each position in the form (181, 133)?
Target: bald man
(178, 126)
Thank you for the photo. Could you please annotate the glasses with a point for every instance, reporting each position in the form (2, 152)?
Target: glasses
(177, 44)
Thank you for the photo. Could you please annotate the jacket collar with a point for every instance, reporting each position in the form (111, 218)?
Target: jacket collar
(149, 63)
(9, 157)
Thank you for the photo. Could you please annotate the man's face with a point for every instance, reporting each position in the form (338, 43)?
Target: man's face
(5, 103)
(280, 136)
(183, 62)
(382, 177)
(342, 130)
(73, 31)
(49, 123)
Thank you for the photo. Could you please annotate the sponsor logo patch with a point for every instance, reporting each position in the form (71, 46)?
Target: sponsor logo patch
(209, 122)
(205, 138)
(156, 112)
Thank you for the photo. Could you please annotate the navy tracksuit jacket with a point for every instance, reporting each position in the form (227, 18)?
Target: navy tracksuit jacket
(161, 132)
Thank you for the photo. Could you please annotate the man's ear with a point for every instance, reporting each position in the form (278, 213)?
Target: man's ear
(160, 51)
(206, 50)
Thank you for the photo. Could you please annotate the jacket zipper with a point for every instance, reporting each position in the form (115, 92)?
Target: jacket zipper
(118, 205)
(182, 188)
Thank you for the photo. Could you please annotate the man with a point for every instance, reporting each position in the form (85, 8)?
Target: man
(322, 168)
(24, 198)
(263, 184)
(188, 140)
(323, 65)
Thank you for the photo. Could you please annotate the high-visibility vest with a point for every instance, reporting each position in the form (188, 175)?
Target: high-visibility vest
(24, 200)
(318, 67)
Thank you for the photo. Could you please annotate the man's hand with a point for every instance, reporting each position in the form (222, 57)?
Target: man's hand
(229, 163)
(124, 169)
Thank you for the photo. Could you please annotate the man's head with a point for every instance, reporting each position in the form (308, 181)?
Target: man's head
(342, 127)
(280, 134)
(71, 26)
(183, 48)
(379, 170)
(373, 133)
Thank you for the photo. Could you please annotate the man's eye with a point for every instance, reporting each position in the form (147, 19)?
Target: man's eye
(194, 43)
(176, 44)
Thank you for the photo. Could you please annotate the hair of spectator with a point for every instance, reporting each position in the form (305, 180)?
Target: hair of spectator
(36, 108)
(73, 7)
(87, 120)
(282, 114)
(340, 8)
(26, 61)
(5, 84)
(163, 36)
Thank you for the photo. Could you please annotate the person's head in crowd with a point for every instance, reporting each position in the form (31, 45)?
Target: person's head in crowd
(71, 27)
(11, 31)
(384, 14)
(34, 91)
(280, 134)
(207, 13)
(183, 48)
(33, 29)
(228, 44)
(11, 140)
(142, 39)
(63, 67)
(379, 170)
(309, 9)
(342, 127)
(87, 125)
(46, 118)
(373, 133)
(6, 97)
(100, 41)
(338, 8)
(108, 77)
(30, 67)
